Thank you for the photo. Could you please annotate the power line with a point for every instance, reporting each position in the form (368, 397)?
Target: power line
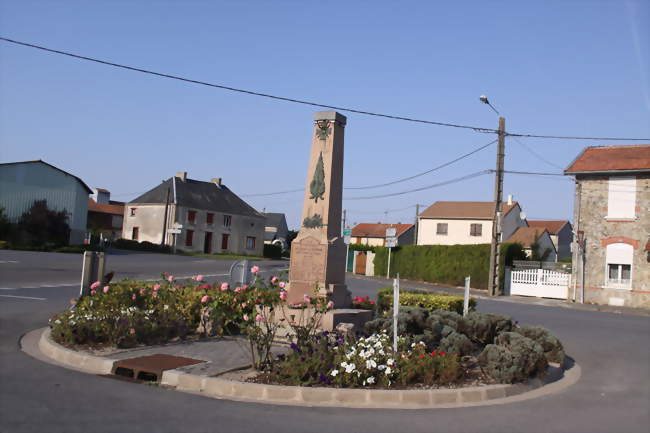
(536, 173)
(303, 102)
(540, 157)
(273, 193)
(248, 92)
(425, 172)
(458, 179)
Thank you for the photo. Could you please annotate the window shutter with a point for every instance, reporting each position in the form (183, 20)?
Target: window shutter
(621, 200)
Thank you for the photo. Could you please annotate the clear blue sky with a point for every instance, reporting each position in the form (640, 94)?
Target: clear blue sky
(560, 68)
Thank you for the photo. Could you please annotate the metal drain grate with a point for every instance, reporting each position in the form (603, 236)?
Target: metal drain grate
(150, 368)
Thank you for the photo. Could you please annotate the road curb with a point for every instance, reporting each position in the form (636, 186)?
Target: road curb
(557, 379)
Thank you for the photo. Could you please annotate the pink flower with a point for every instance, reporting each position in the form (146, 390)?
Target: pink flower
(244, 287)
(330, 305)
(95, 285)
(93, 292)
(199, 278)
(306, 299)
(205, 299)
(243, 304)
(133, 297)
(245, 317)
(73, 301)
(170, 278)
(224, 287)
(132, 331)
(255, 269)
(274, 280)
(282, 284)
(283, 295)
(154, 294)
(156, 287)
(142, 291)
(259, 318)
(106, 289)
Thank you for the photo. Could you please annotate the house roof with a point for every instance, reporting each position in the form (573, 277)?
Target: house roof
(599, 159)
(370, 230)
(113, 209)
(197, 194)
(275, 219)
(647, 245)
(552, 226)
(102, 190)
(480, 210)
(90, 191)
(527, 236)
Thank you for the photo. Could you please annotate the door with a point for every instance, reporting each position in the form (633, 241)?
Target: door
(224, 241)
(207, 245)
(360, 267)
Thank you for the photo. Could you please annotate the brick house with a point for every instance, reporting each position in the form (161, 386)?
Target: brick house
(375, 234)
(612, 222)
(210, 217)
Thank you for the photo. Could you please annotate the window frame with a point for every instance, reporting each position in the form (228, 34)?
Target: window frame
(227, 220)
(249, 238)
(621, 198)
(446, 231)
(189, 238)
(619, 254)
(132, 212)
(209, 218)
(135, 233)
(191, 216)
(476, 233)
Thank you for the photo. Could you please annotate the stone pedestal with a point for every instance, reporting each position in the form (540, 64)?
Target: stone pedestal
(318, 252)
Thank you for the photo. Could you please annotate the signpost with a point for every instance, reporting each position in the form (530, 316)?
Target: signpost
(391, 242)
(466, 298)
(239, 273)
(395, 311)
(174, 231)
(92, 270)
(347, 236)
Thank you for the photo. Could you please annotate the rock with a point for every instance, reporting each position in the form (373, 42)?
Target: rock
(345, 329)
(206, 323)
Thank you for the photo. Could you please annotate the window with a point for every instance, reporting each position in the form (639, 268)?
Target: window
(209, 218)
(189, 235)
(132, 211)
(621, 198)
(250, 243)
(227, 220)
(135, 233)
(619, 266)
(476, 229)
(441, 228)
(191, 216)
(224, 241)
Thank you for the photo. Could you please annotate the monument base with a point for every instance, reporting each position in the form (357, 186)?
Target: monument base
(328, 321)
(337, 293)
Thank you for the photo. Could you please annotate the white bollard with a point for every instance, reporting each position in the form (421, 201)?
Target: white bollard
(466, 298)
(395, 311)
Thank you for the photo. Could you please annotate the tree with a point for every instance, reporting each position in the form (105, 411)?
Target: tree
(43, 225)
(5, 225)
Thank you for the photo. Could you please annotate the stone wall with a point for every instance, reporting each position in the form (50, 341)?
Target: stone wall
(590, 212)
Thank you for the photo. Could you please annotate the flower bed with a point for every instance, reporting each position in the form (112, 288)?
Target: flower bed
(419, 298)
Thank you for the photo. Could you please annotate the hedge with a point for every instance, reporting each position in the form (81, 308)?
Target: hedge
(445, 264)
(272, 251)
(430, 301)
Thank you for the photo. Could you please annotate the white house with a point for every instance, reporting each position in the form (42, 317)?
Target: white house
(561, 233)
(466, 222)
(210, 217)
(530, 237)
(375, 234)
(23, 183)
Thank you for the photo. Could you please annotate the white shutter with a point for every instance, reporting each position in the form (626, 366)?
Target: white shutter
(622, 197)
(620, 254)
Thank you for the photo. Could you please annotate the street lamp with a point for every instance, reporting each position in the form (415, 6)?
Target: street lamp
(484, 100)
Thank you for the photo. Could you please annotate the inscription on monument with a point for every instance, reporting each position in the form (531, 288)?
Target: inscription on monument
(309, 261)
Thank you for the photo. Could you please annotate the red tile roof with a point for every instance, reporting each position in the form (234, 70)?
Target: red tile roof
(480, 210)
(526, 236)
(369, 230)
(552, 226)
(598, 159)
(113, 209)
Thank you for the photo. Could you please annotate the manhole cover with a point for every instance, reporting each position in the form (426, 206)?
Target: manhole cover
(150, 368)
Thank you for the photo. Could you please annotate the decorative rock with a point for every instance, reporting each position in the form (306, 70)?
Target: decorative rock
(346, 329)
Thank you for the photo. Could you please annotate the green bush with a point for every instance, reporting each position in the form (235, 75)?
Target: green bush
(552, 347)
(445, 264)
(430, 301)
(483, 328)
(361, 247)
(513, 358)
(272, 251)
(128, 244)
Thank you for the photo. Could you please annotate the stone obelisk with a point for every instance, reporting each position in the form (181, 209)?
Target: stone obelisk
(318, 252)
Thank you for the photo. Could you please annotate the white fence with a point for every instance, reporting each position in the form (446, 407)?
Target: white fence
(542, 283)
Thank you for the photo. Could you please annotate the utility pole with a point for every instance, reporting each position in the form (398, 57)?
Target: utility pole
(164, 234)
(493, 278)
(344, 216)
(417, 221)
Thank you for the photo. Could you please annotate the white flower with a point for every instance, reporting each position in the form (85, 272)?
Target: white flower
(334, 372)
(57, 321)
(381, 367)
(388, 371)
(344, 364)
(371, 364)
(390, 361)
(350, 368)
(166, 307)
(371, 380)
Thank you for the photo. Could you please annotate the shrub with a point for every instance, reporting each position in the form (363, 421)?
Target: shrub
(456, 342)
(512, 358)
(483, 328)
(430, 301)
(445, 264)
(272, 251)
(42, 227)
(128, 244)
(550, 344)
(363, 303)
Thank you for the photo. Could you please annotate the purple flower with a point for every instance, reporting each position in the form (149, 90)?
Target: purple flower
(324, 379)
(295, 347)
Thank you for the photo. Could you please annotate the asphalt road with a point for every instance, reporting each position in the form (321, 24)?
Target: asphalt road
(613, 394)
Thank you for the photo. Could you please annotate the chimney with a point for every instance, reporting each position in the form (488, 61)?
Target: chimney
(182, 175)
(509, 199)
(216, 181)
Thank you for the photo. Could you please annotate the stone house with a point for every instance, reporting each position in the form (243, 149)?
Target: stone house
(530, 237)
(561, 232)
(466, 222)
(23, 183)
(200, 216)
(276, 229)
(612, 222)
(375, 234)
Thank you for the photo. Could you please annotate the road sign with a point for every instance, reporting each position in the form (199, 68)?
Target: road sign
(178, 226)
(391, 242)
(347, 239)
(391, 232)
(347, 232)
(174, 231)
